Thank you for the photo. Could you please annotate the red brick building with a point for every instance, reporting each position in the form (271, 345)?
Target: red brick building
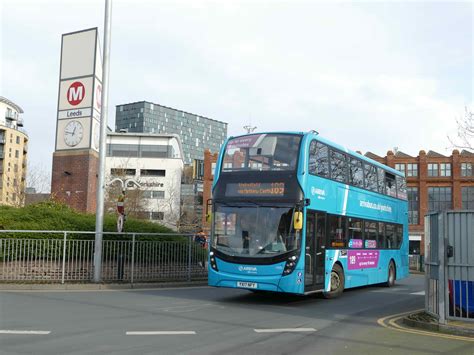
(434, 182)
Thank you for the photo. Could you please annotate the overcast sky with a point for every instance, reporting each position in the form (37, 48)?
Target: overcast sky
(371, 76)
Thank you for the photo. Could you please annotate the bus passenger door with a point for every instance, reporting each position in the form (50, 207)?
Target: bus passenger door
(315, 250)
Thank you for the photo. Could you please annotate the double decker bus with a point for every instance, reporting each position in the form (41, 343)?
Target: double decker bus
(296, 213)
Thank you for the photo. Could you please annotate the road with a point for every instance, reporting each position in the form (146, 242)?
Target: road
(214, 321)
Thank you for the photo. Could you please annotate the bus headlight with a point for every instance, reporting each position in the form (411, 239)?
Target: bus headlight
(212, 260)
(290, 265)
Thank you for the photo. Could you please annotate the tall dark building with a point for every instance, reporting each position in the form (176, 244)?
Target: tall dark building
(197, 133)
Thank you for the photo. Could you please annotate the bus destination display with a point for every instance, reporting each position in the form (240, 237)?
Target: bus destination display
(262, 189)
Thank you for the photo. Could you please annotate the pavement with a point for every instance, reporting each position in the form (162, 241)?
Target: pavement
(203, 320)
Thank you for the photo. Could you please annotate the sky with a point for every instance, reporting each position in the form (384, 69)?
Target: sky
(368, 75)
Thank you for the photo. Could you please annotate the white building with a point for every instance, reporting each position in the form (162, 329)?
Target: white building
(155, 161)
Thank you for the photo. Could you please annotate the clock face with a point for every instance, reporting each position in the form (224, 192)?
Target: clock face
(73, 133)
(96, 135)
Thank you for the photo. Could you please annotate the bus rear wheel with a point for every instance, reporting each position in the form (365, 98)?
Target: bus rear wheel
(337, 282)
(391, 275)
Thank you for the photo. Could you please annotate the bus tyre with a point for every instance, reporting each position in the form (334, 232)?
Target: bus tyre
(337, 282)
(391, 275)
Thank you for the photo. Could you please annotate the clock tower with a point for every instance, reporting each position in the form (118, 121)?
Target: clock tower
(76, 157)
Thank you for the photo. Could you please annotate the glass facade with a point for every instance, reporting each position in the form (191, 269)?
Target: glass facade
(197, 133)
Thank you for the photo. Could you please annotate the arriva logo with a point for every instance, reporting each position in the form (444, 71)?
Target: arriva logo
(319, 192)
(249, 269)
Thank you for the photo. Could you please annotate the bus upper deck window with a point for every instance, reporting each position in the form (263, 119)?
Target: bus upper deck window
(390, 186)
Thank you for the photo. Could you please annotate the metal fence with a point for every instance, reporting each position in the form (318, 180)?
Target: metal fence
(449, 263)
(68, 256)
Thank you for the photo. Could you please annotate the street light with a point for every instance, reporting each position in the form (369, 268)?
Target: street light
(99, 218)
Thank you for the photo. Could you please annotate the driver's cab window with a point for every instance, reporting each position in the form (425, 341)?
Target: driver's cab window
(225, 224)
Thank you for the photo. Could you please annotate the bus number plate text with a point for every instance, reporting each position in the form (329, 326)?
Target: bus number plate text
(246, 284)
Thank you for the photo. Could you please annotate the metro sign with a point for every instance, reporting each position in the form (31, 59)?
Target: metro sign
(76, 93)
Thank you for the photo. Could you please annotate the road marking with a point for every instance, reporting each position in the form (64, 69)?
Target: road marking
(395, 317)
(25, 332)
(420, 293)
(284, 330)
(164, 332)
(72, 290)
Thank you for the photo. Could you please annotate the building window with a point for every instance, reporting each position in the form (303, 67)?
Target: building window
(122, 172)
(17, 153)
(152, 172)
(157, 216)
(439, 198)
(412, 169)
(467, 198)
(413, 205)
(17, 139)
(198, 172)
(400, 168)
(445, 169)
(466, 169)
(432, 169)
(153, 194)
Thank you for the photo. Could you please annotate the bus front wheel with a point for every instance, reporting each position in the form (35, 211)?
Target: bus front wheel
(391, 275)
(337, 282)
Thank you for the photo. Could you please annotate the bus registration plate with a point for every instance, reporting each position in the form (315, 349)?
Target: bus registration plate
(246, 284)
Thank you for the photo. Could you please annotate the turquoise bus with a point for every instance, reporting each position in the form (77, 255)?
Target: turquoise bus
(296, 213)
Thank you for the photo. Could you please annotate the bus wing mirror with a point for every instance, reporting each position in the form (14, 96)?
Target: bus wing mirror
(298, 221)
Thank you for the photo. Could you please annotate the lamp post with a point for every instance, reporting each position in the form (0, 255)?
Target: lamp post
(99, 221)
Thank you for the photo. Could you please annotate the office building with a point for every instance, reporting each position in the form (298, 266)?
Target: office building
(155, 162)
(197, 133)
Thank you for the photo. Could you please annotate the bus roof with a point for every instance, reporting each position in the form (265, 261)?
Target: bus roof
(316, 136)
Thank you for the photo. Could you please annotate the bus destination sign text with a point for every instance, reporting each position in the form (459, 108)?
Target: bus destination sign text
(262, 189)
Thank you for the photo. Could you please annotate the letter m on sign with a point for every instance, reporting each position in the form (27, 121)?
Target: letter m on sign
(76, 93)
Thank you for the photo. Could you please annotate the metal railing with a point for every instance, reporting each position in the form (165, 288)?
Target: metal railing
(449, 264)
(68, 256)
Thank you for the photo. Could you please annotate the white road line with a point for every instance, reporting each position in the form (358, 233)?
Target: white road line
(165, 332)
(25, 332)
(420, 293)
(284, 330)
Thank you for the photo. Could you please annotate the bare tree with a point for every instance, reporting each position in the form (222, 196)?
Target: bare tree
(134, 202)
(465, 131)
(38, 177)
